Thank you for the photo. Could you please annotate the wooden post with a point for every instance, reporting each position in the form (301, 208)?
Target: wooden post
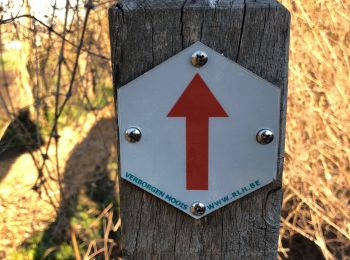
(255, 34)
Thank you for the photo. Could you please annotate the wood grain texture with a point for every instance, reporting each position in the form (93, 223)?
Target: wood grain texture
(255, 34)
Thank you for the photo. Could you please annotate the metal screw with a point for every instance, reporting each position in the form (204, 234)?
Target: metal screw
(199, 59)
(133, 135)
(264, 136)
(197, 208)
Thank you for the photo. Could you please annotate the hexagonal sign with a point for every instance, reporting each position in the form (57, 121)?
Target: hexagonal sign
(199, 131)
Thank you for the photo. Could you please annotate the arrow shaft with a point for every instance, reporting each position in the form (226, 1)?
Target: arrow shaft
(197, 150)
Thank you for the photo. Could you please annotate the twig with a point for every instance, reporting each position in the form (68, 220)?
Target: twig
(12, 19)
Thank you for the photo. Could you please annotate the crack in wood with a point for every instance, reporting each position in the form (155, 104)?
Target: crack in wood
(242, 30)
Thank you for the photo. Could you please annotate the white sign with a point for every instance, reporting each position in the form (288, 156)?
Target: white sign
(199, 150)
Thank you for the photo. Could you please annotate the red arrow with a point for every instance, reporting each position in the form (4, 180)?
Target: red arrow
(197, 104)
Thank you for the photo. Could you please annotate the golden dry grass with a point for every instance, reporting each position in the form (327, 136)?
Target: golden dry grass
(317, 168)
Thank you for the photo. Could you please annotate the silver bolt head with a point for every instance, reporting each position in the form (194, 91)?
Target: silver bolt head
(197, 208)
(265, 136)
(133, 135)
(199, 59)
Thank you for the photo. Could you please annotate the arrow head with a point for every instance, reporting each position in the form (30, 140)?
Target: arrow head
(197, 101)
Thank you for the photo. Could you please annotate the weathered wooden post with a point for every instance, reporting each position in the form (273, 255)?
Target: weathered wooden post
(255, 34)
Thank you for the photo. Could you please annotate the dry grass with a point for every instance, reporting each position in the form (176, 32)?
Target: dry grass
(316, 180)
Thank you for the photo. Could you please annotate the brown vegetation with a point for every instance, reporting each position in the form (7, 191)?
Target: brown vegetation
(316, 182)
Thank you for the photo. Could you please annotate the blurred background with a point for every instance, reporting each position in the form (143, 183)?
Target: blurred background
(58, 181)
